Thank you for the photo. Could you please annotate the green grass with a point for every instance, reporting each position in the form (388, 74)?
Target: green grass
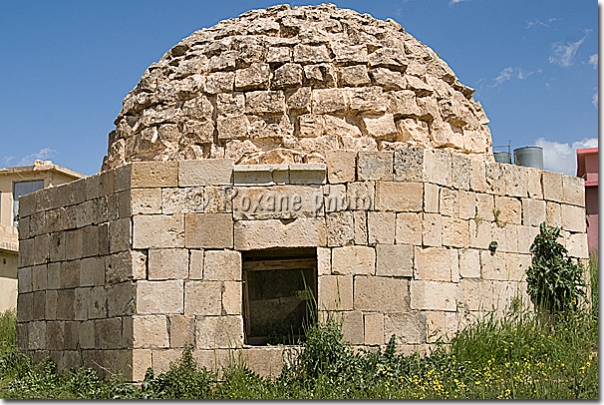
(522, 355)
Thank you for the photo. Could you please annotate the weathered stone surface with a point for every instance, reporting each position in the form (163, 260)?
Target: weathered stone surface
(353, 260)
(375, 166)
(394, 260)
(279, 64)
(159, 297)
(381, 294)
(400, 197)
(433, 295)
(409, 228)
(275, 233)
(222, 265)
(409, 328)
(150, 331)
(208, 231)
(341, 166)
(335, 293)
(219, 332)
(158, 231)
(381, 227)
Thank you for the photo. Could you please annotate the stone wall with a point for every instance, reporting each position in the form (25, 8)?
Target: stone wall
(124, 268)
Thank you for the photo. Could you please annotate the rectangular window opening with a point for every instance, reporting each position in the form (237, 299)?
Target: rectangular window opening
(279, 295)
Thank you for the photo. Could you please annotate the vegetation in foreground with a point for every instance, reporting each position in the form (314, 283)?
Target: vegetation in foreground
(523, 355)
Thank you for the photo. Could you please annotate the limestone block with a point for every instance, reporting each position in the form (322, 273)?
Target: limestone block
(264, 234)
(24, 279)
(394, 260)
(493, 267)
(278, 54)
(299, 100)
(485, 207)
(437, 167)
(369, 99)
(353, 260)
(533, 183)
(516, 180)
(51, 304)
(159, 297)
(25, 307)
(218, 199)
(118, 267)
(360, 228)
(39, 310)
(203, 298)
(220, 82)
(526, 236)
(408, 228)
(120, 236)
(307, 173)
(288, 75)
(39, 277)
(469, 263)
(196, 264)
(573, 190)
(375, 166)
(346, 54)
(461, 172)
(403, 102)
(158, 231)
(432, 230)
(37, 335)
(455, 232)
(141, 361)
(329, 101)
(254, 77)
(400, 197)
(80, 303)
(85, 214)
(408, 164)
(233, 127)
(252, 175)
(311, 54)
(510, 210)
(381, 294)
(287, 201)
(516, 266)
(65, 307)
(26, 252)
(154, 174)
(168, 264)
(381, 227)
(335, 198)
(431, 198)
(495, 178)
(449, 202)
(352, 327)
(354, 76)
(70, 274)
(219, 332)
(90, 242)
(232, 298)
(323, 261)
(56, 335)
(181, 200)
(573, 218)
(150, 331)
(466, 204)
(208, 231)
(320, 75)
(230, 104)
(436, 263)
(340, 166)
(388, 79)
(380, 126)
(42, 248)
(553, 214)
(409, 328)
(374, 328)
(265, 361)
(109, 333)
(340, 228)
(434, 295)
(533, 212)
(181, 329)
(209, 172)
(576, 244)
(222, 265)
(97, 307)
(552, 186)
(361, 195)
(335, 293)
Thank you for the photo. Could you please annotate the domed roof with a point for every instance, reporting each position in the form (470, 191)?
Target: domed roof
(285, 85)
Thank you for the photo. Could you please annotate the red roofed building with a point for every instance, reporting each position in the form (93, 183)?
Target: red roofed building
(587, 168)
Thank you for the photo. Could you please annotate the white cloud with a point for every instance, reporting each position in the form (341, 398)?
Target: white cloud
(511, 73)
(594, 99)
(455, 2)
(8, 159)
(593, 60)
(539, 23)
(562, 157)
(563, 53)
(42, 154)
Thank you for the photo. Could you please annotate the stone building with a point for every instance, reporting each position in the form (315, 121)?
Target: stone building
(15, 182)
(285, 157)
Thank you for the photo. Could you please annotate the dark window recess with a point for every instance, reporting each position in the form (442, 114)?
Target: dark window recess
(279, 290)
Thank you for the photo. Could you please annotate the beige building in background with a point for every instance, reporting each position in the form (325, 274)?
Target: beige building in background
(14, 182)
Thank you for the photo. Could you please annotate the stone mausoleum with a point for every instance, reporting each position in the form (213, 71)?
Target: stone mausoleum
(282, 166)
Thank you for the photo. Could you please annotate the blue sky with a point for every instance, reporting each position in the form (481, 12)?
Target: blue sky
(67, 65)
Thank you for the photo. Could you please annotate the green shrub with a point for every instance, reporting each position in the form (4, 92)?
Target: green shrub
(554, 281)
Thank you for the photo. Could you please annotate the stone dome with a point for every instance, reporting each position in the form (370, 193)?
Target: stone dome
(285, 85)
